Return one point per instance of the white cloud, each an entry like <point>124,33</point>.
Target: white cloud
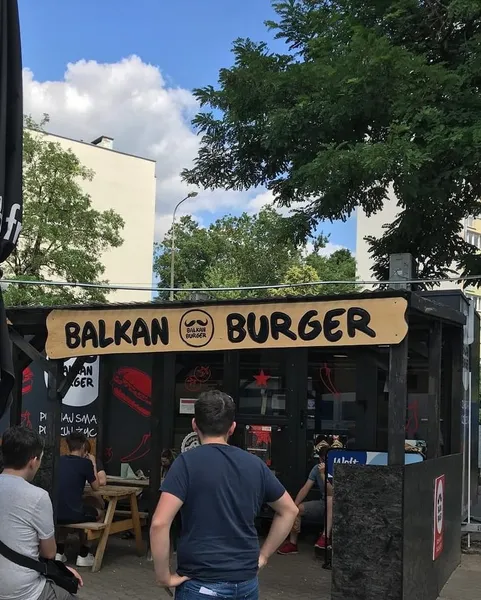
<point>131,102</point>
<point>330,248</point>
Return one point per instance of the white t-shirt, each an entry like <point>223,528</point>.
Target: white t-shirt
<point>26,517</point>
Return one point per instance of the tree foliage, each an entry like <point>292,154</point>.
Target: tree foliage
<point>62,236</point>
<point>244,251</point>
<point>369,94</point>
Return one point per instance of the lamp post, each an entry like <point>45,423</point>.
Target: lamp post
<point>172,253</point>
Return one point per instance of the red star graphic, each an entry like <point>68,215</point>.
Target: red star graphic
<point>262,379</point>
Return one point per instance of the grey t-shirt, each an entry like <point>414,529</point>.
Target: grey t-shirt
<point>26,517</point>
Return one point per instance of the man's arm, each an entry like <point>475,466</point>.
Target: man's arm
<point>102,478</point>
<point>168,506</point>
<point>302,493</point>
<point>42,521</point>
<point>286,513</point>
<point>47,548</point>
<point>91,474</point>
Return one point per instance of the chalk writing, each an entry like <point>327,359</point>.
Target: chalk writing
<point>70,422</point>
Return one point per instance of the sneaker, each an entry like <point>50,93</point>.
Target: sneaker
<point>85,561</point>
<point>61,557</point>
<point>322,543</point>
<point>288,548</point>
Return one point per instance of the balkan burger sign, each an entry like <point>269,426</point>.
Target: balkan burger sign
<point>133,330</point>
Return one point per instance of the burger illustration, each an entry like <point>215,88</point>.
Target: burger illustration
<point>27,381</point>
<point>134,388</point>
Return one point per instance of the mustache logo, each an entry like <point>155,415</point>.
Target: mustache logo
<point>196,328</point>
<point>198,321</point>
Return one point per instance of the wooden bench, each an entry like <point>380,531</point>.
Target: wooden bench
<point>143,516</point>
<point>92,530</point>
<point>102,531</point>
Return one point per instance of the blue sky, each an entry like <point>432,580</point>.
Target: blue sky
<point>189,40</point>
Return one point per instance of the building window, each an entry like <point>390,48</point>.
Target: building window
<point>470,221</point>
<point>476,300</point>
<point>474,238</point>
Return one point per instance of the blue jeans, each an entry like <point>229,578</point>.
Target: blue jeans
<point>197,590</point>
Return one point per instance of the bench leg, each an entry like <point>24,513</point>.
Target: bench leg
<point>134,508</point>
<point>109,517</point>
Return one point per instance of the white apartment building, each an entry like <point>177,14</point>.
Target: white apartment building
<point>125,183</point>
<point>373,226</point>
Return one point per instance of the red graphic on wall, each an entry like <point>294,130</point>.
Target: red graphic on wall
<point>108,455</point>
<point>412,421</point>
<point>261,435</point>
<point>25,419</point>
<point>326,379</point>
<point>258,442</point>
<point>134,388</point>
<point>140,451</point>
<point>27,381</point>
<point>201,374</point>
<point>262,379</point>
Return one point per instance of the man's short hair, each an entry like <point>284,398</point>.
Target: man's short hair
<point>19,446</point>
<point>214,413</point>
<point>76,441</point>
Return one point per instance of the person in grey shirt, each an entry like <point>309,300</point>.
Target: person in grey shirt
<point>26,519</point>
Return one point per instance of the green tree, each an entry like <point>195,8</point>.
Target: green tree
<point>368,95</point>
<point>62,237</point>
<point>244,251</point>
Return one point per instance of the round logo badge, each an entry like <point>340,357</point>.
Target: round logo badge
<point>190,441</point>
<point>196,328</point>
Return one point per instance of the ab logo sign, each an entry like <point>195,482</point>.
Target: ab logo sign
<point>438,538</point>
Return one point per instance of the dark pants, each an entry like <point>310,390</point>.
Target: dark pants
<point>197,590</point>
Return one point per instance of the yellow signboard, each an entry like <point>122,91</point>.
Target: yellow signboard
<point>160,328</point>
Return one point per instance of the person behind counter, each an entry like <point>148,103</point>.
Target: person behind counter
<point>166,459</point>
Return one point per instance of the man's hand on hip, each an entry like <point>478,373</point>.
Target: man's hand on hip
<point>173,580</point>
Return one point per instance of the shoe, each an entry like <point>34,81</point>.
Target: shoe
<point>85,561</point>
<point>322,543</point>
<point>287,548</point>
<point>61,557</point>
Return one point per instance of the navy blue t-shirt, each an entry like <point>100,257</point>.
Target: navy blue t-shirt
<point>222,489</point>
<point>74,473</point>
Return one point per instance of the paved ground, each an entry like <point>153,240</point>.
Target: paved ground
<point>125,576</point>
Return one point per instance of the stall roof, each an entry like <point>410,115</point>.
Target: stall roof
<point>31,320</point>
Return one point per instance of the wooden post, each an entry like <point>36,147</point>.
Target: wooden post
<point>456,341</point>
<point>16,406</point>
<point>434,390</point>
<point>54,423</point>
<point>162,417</point>
<point>366,401</point>
<point>105,377</point>
<point>397,405</point>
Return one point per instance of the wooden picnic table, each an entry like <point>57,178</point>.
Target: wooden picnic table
<point>101,531</point>
<point>114,480</point>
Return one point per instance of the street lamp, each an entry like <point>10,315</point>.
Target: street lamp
<point>172,252</point>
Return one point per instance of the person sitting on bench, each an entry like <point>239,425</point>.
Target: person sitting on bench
<point>313,510</point>
<point>75,470</point>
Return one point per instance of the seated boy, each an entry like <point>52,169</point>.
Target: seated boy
<point>313,510</point>
<point>75,470</point>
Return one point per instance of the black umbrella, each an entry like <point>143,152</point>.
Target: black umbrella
<point>11,202</point>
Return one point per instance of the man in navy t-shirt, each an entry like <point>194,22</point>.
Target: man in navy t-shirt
<point>75,470</point>
<point>219,490</point>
